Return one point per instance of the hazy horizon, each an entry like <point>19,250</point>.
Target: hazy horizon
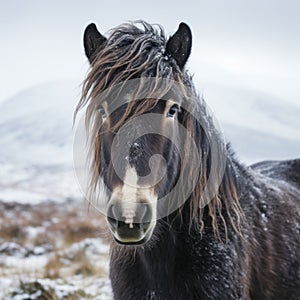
<point>245,45</point>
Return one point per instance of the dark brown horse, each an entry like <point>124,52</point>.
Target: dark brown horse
<point>188,220</point>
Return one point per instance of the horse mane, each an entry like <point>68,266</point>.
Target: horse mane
<point>138,50</point>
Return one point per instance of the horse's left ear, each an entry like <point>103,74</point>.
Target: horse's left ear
<point>179,45</point>
<point>93,41</point>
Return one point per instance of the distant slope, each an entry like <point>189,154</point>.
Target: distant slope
<point>36,125</point>
<point>259,126</point>
<point>36,138</point>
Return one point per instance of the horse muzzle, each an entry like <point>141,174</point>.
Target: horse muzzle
<point>130,223</point>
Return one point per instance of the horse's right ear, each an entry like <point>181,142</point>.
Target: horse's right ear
<point>93,41</point>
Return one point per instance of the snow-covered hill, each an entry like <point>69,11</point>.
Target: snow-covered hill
<point>36,125</point>
<point>36,139</point>
<point>258,125</point>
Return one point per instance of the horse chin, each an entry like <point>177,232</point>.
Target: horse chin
<point>132,238</point>
<point>131,242</point>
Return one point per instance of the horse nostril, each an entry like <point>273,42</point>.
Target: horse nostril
<point>144,210</point>
<point>112,216</point>
<point>143,214</point>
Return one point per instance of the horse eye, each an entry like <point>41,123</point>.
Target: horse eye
<point>173,111</point>
<point>102,112</point>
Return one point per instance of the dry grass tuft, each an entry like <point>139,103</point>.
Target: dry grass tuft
<point>53,267</point>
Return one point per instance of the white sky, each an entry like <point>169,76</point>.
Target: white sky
<point>247,44</point>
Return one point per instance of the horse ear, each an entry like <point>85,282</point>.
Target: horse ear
<point>93,41</point>
<point>179,45</point>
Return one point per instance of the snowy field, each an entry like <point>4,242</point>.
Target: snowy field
<point>51,246</point>
<point>52,251</point>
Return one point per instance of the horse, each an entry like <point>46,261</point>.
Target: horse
<point>188,220</point>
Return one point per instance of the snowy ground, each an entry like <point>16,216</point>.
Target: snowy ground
<point>53,251</point>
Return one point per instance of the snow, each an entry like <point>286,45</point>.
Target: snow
<point>16,263</point>
<point>33,185</point>
<point>36,138</point>
<point>61,289</point>
<point>13,249</point>
<point>33,232</point>
<point>259,126</point>
<point>22,263</point>
<point>91,246</point>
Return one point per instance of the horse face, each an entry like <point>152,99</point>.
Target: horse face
<point>138,162</point>
<point>139,165</point>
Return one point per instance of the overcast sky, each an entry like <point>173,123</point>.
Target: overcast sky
<point>247,44</point>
